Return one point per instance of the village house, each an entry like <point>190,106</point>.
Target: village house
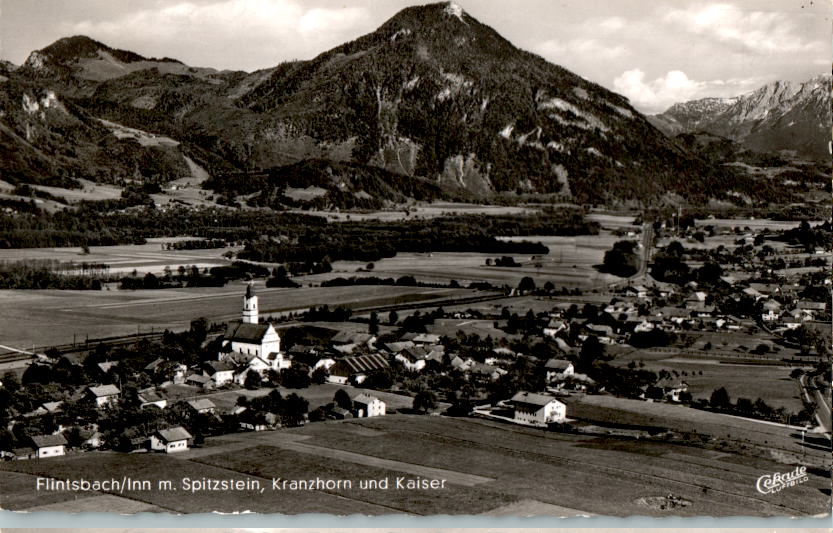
<point>558,368</point>
<point>244,363</point>
<point>199,380</point>
<point>752,293</point>
<point>396,347</point>
<point>696,300</point>
<point>49,445</point>
<point>220,372</point>
<point>170,440</point>
<point>201,405</point>
<point>554,327</point>
<point>537,409</point>
<point>458,363</point>
<point>255,421</point>
<point>52,407</point>
<point>151,396</point>
<point>484,373</point>
<point>638,291</point>
<point>105,367</point>
<point>366,406</point>
<point>347,341</point>
<point>415,358</point>
<point>811,309</point>
<point>772,310</point>
<point>425,339</point>
<point>356,368</point>
<point>104,394</point>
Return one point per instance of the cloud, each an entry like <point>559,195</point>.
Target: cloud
<point>756,32</point>
<point>563,51</point>
<point>266,30</point>
<point>675,86</point>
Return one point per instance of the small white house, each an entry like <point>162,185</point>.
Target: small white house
<point>201,406</point>
<point>170,440</point>
<point>49,445</point>
<point>365,405</point>
<point>558,367</point>
<point>220,372</point>
<point>537,409</point>
<point>104,394</point>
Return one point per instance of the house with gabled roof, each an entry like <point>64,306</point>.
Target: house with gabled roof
<point>537,409</point>
<point>170,440</point>
<point>357,368</point>
<point>555,326</point>
<point>104,394</point>
<point>555,368</point>
<point>365,405</point>
<point>201,405</point>
<point>347,341</point>
<point>49,445</point>
<point>199,380</point>
<point>151,396</point>
<point>220,372</point>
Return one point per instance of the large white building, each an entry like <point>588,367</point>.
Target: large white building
<point>537,409</point>
<point>365,405</point>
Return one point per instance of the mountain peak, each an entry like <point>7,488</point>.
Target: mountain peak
<point>453,9</point>
<point>781,115</point>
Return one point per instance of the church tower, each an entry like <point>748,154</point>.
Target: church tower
<point>250,313</point>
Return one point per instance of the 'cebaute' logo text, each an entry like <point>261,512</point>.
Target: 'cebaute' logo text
<point>772,483</point>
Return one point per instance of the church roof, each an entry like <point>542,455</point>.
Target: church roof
<point>244,332</point>
<point>250,290</point>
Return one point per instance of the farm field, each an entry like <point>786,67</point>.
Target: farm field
<point>770,382</point>
<point>569,263</point>
<point>123,259</point>
<point>777,440</point>
<point>433,210</point>
<point>488,466</point>
<point>60,314</point>
<point>752,223</point>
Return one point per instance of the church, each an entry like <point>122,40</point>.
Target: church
<point>252,344</point>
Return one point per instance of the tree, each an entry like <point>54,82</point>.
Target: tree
<point>74,437</point>
<point>293,409</point>
<point>252,380</point>
<point>425,400</point>
<point>342,399</point>
<point>296,377</point>
<point>10,382</point>
<point>393,318</point>
<point>591,351</point>
<point>373,326</point>
<point>527,284</point>
<point>319,375</point>
<point>720,399</point>
<point>622,260</point>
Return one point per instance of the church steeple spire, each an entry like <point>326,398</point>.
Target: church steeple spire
<point>250,312</point>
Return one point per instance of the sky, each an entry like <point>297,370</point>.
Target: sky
<point>655,52</point>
